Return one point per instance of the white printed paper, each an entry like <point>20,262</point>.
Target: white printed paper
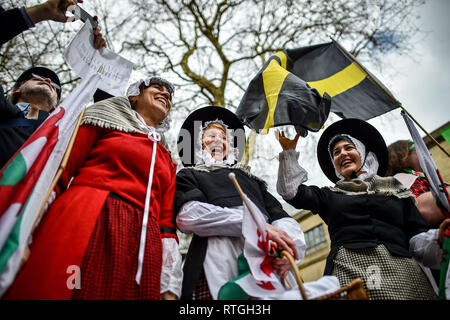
<point>85,60</point>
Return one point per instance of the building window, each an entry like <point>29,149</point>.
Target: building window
<point>315,239</point>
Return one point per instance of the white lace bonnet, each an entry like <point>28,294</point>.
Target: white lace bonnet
<point>134,90</point>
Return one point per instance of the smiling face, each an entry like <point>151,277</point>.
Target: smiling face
<point>346,158</point>
<point>154,103</point>
<point>215,141</point>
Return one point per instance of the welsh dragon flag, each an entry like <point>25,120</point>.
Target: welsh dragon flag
<point>257,277</point>
<point>27,177</point>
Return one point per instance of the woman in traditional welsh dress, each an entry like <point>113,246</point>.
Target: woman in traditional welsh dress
<point>207,204</point>
<point>110,234</point>
<point>370,218</point>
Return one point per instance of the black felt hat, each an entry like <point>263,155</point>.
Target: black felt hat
<point>190,130</point>
<point>359,129</point>
<point>40,71</point>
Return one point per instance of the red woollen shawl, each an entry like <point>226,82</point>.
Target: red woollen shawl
<point>102,161</point>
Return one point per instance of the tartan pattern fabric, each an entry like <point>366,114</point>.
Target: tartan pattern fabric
<point>385,277</point>
<point>201,291</point>
<point>420,185</point>
<point>109,265</point>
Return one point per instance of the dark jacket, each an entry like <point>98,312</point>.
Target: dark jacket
<point>216,188</point>
<point>12,23</point>
<point>15,129</point>
<point>362,221</point>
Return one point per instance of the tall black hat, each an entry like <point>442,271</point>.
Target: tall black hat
<point>359,129</point>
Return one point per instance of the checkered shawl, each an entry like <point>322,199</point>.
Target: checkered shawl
<point>386,277</point>
<point>388,186</point>
<point>113,113</point>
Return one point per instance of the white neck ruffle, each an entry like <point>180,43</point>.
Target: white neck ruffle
<point>204,157</point>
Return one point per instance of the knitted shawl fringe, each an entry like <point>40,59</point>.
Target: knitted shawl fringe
<point>388,186</point>
<point>114,113</point>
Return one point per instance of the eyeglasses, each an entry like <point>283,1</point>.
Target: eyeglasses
<point>411,145</point>
<point>36,76</point>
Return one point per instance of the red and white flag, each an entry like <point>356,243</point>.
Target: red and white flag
<point>262,281</point>
<point>27,177</point>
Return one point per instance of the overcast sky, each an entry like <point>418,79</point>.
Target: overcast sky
<point>422,85</point>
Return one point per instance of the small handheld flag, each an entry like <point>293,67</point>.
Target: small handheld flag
<point>257,277</point>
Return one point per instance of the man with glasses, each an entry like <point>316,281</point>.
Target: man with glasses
<point>37,91</point>
<point>35,94</point>
<point>38,88</point>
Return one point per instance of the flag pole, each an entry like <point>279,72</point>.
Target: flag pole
<point>382,87</point>
<point>232,176</point>
<point>283,253</point>
<point>62,166</point>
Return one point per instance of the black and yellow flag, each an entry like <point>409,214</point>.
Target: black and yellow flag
<point>276,97</point>
<point>327,69</point>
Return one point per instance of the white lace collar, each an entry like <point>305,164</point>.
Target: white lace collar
<point>204,157</point>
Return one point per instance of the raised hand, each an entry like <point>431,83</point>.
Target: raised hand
<point>99,41</point>
<point>51,10</point>
<point>285,142</point>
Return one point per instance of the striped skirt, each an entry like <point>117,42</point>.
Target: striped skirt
<point>385,277</point>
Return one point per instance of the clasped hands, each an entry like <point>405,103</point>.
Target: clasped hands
<point>282,241</point>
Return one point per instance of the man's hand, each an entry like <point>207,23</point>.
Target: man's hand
<point>286,143</point>
<point>99,42</point>
<point>51,10</point>
<point>56,10</point>
<point>282,241</point>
